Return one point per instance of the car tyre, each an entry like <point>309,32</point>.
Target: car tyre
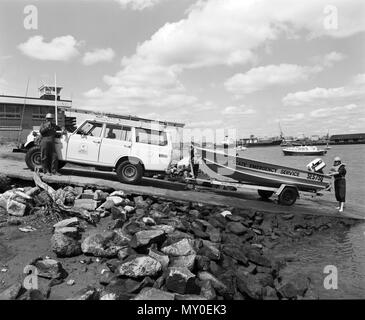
<point>129,172</point>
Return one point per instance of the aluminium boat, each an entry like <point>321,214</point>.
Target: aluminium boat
<point>227,167</point>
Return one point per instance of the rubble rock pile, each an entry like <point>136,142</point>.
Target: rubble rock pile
<point>159,249</point>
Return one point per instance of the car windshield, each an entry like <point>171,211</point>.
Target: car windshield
<point>91,129</point>
<point>153,137</point>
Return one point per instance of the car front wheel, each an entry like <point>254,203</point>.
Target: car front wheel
<point>129,172</point>
<point>33,158</point>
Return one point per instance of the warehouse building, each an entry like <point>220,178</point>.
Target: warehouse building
<point>355,138</point>
<point>20,115</point>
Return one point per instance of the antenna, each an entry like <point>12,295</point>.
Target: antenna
<point>22,118</point>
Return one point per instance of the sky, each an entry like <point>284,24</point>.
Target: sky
<point>250,66</point>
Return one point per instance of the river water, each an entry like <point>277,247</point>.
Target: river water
<point>343,249</point>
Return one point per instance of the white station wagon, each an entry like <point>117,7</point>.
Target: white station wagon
<point>130,148</point>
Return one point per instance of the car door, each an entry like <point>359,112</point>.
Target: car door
<point>84,144</point>
<point>116,143</point>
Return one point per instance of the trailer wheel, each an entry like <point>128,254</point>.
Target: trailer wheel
<point>288,196</point>
<point>265,194</point>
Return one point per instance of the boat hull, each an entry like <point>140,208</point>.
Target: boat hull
<point>230,168</point>
<point>304,153</point>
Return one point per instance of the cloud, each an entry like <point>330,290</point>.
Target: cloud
<point>259,78</point>
<point>98,55</point>
<point>332,57</point>
<point>58,49</point>
<point>292,117</point>
<point>328,112</point>
<point>204,124</point>
<point>236,111</point>
<point>215,33</point>
<point>355,91</point>
<point>138,4</point>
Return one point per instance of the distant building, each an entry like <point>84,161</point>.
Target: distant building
<point>354,138</point>
<point>20,115</point>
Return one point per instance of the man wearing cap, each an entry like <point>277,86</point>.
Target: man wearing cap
<point>338,171</point>
<point>49,159</point>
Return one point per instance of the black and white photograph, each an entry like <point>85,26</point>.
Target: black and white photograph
<point>194,151</point>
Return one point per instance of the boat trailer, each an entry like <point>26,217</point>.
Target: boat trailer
<point>287,194</point>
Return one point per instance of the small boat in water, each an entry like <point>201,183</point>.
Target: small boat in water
<point>304,151</point>
<point>240,148</point>
<point>230,168</point>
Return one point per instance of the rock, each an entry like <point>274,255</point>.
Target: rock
<point>210,250</point>
<point>207,290</point>
<point>88,293</point>
<point>294,286</point>
<point>202,263</point>
<point>194,213</point>
<point>148,221</point>
<point>49,269</point>
<point>106,277</point>
<point>33,294</point>
<point>288,216</point>
<point>72,222</point>
<point>249,285</point>
<point>181,280</point>
<point>214,234</point>
<point>225,213</point>
<point>193,297</point>
<point>160,257</point>
<point>12,292</point>
<point>236,228</point>
<point>121,237</point>
<point>146,237</point>
<point>184,262</point>
<point>14,221</point>
<point>164,227</point>
<point>214,268</point>
<point>65,246</point>
<point>72,232</point>
<point>269,293</point>
<point>118,193</point>
<point>183,247</point>
<point>70,282</point>
<point>178,235</point>
<point>101,245</point>
<point>100,195</point>
<point>16,208</point>
<point>251,268</point>
<point>217,284</point>
<point>107,205</point>
<point>117,201</point>
<point>236,253</point>
<point>86,204</point>
<point>199,233</point>
<point>132,227</point>
<point>124,253</point>
<point>140,202</point>
<point>140,266</point>
<point>154,294</point>
<point>118,213</point>
<point>257,258</point>
<point>129,209</point>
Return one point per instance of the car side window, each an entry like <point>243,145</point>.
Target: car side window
<point>118,132</point>
<point>93,129</point>
<point>153,137</point>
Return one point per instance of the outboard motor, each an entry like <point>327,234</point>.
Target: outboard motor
<point>316,165</point>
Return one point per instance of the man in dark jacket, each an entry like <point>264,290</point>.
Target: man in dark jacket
<point>49,159</point>
<point>338,171</point>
